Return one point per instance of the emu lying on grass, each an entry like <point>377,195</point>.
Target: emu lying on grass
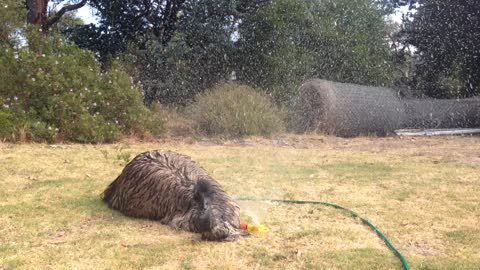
<point>171,188</point>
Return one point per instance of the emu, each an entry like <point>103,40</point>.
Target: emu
<point>171,188</point>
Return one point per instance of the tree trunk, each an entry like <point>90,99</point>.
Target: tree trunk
<point>37,12</point>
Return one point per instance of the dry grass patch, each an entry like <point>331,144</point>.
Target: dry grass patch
<point>424,194</point>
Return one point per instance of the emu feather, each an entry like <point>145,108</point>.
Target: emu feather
<point>171,188</point>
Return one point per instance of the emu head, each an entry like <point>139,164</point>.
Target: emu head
<point>218,219</point>
<point>201,195</point>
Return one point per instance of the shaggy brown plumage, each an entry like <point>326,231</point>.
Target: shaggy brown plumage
<point>173,189</point>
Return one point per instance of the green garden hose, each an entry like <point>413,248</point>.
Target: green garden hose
<point>355,215</point>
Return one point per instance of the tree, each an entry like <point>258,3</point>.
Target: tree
<point>199,54</point>
<point>12,14</point>
<point>400,3</point>
<point>68,21</point>
<point>38,12</point>
<point>290,41</point>
<point>445,34</point>
<point>123,22</point>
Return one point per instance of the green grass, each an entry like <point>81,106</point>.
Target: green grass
<point>423,194</point>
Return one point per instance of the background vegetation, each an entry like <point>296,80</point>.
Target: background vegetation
<point>231,110</point>
<point>67,81</point>
<point>447,57</point>
<point>52,90</point>
<point>290,41</point>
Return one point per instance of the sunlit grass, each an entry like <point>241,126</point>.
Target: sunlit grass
<point>424,194</point>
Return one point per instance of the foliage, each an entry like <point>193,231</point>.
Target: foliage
<point>123,22</point>
<point>40,132</point>
<point>7,128</point>
<point>445,34</point>
<point>399,3</point>
<point>54,90</point>
<point>43,18</point>
<point>233,110</point>
<point>67,22</point>
<point>177,122</point>
<point>280,43</point>
<point>289,41</point>
<point>197,57</point>
<point>12,14</point>
<point>173,68</point>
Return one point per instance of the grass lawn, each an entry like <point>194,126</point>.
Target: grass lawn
<point>423,194</point>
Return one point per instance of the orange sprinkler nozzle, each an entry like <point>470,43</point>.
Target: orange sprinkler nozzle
<point>254,228</point>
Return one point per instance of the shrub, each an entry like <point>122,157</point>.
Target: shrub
<point>232,110</point>
<point>177,122</point>
<point>41,132</point>
<point>93,129</point>
<point>53,90</point>
<point>7,128</point>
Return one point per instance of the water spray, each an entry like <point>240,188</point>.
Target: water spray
<point>261,228</point>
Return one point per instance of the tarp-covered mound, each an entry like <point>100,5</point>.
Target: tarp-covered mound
<point>349,110</point>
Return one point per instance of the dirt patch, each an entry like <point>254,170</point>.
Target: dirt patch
<point>420,250</point>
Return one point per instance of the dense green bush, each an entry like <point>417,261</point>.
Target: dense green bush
<point>52,90</point>
<point>7,128</point>
<point>232,110</point>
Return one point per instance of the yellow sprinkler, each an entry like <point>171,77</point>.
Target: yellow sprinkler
<point>254,228</point>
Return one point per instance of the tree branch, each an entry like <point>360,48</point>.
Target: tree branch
<point>56,17</point>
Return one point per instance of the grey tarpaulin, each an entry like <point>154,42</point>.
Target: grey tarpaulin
<point>350,110</point>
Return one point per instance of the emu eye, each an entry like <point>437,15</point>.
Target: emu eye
<point>199,200</point>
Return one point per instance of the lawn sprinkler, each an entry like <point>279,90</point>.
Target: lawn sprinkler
<point>254,228</point>
<point>260,228</point>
